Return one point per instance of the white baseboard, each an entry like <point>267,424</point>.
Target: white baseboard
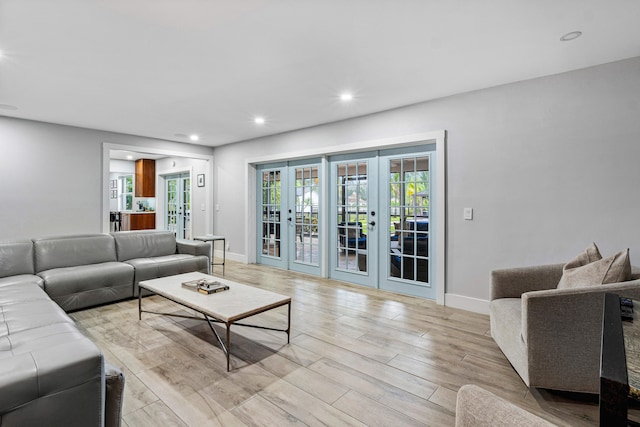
<point>232,256</point>
<point>466,303</point>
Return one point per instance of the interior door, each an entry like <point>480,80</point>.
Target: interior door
<point>354,219</point>
<point>178,205</point>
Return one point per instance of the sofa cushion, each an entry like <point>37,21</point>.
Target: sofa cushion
<point>21,279</point>
<point>613,269</point>
<point>16,257</point>
<point>144,244</point>
<point>62,382</point>
<point>41,337</point>
<point>22,316</point>
<point>21,292</point>
<point>70,251</point>
<point>86,285</point>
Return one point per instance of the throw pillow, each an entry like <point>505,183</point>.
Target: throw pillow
<point>589,255</point>
<point>580,272</point>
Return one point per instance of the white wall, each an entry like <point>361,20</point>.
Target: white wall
<point>549,165</point>
<point>51,178</point>
<point>118,168</point>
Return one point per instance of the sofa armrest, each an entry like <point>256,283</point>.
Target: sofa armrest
<point>513,282</point>
<point>114,395</point>
<point>477,407</point>
<point>193,247</point>
<point>29,376</point>
<point>562,329</point>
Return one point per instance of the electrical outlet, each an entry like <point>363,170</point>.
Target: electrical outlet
<point>228,245</point>
<point>468,214</point>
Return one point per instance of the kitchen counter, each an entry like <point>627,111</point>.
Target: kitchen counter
<point>137,212</point>
<point>138,220</point>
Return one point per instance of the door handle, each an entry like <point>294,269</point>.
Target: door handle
<point>372,223</point>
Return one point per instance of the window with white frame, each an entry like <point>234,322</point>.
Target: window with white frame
<point>125,192</point>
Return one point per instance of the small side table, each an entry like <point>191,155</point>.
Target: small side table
<point>211,238</point>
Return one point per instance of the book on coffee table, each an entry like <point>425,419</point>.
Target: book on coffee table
<point>205,286</point>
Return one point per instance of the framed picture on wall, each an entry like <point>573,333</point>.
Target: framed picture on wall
<point>201,180</point>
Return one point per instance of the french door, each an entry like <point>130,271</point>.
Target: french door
<point>379,218</point>
<point>178,205</point>
<point>405,253</point>
<point>289,220</point>
<point>354,219</point>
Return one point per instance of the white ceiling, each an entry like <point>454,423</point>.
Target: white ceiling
<point>158,68</point>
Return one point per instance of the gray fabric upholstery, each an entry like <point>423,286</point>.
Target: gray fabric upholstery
<point>16,258</point>
<point>144,244</point>
<point>613,269</point>
<point>477,407</point>
<point>71,251</point>
<point>114,387</point>
<point>551,336</point>
<point>86,285</point>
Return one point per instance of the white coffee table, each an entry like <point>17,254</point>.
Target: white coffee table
<point>227,307</point>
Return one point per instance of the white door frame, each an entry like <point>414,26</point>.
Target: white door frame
<point>106,153</point>
<point>437,137</point>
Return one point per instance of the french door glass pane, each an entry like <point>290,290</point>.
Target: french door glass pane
<point>306,218</point>
<point>352,214</point>
<point>409,195</point>
<point>186,202</point>
<point>172,205</point>
<point>271,191</point>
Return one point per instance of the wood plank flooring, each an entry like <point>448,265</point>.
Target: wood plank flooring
<point>357,357</point>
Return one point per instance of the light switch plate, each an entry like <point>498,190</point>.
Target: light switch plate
<point>468,214</point>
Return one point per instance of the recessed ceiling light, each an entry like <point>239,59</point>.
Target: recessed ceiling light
<point>571,36</point>
<point>259,120</point>
<point>194,137</point>
<point>8,107</point>
<point>129,157</point>
<point>346,96</point>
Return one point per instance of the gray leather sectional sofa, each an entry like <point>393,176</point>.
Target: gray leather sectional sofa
<point>50,373</point>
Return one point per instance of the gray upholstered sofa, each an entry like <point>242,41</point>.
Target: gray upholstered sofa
<point>81,271</point>
<point>551,336</point>
<point>49,371</point>
<point>154,254</point>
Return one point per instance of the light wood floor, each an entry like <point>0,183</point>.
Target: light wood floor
<point>357,357</point>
